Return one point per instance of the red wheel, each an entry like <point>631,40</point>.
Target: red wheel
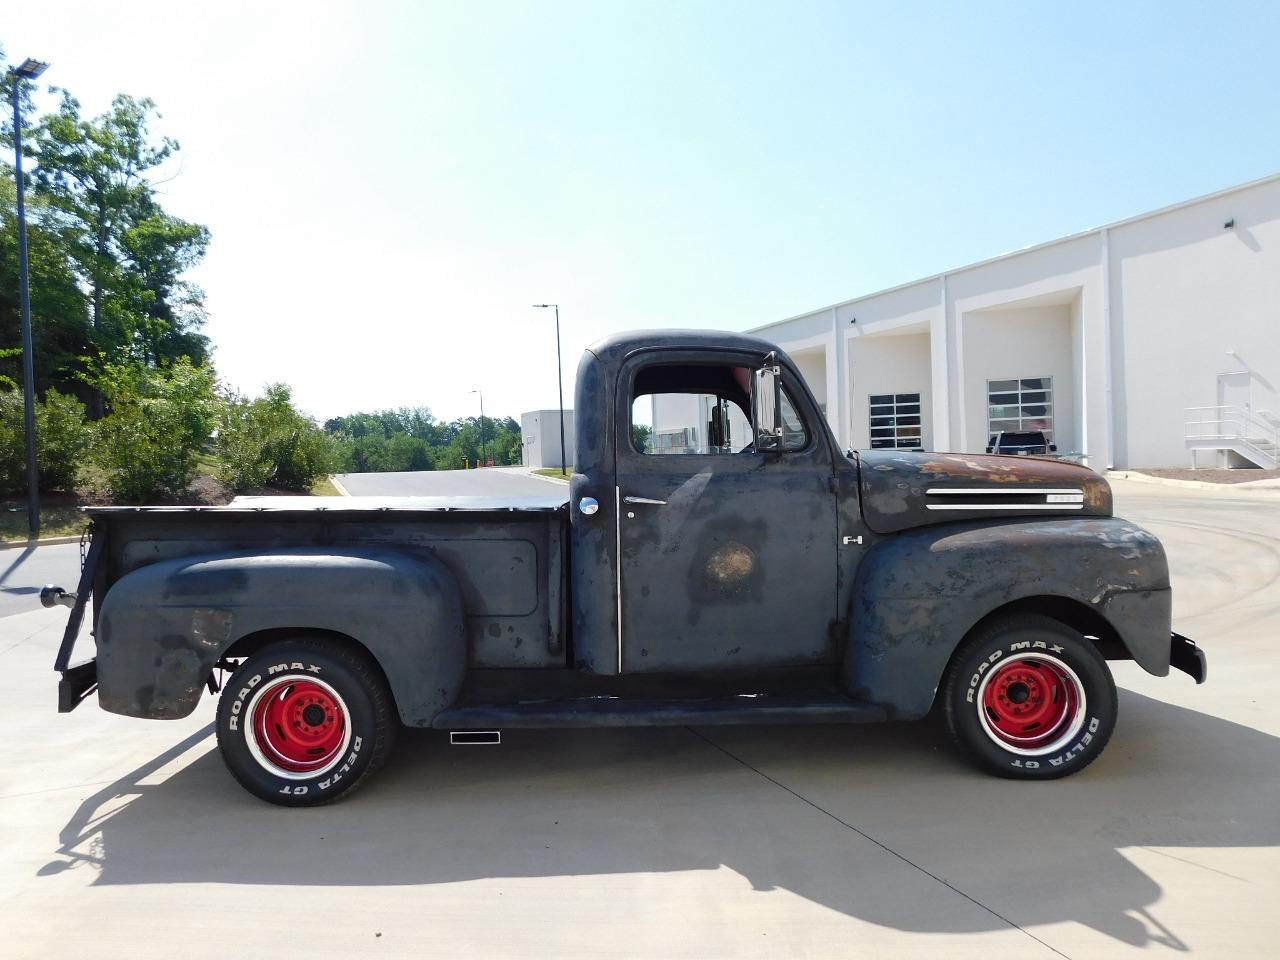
<point>1032,705</point>
<point>299,727</point>
<point>304,721</point>
<point>1028,697</point>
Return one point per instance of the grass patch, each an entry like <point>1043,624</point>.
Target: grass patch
<point>207,463</point>
<point>554,473</point>
<point>60,516</point>
<point>324,488</point>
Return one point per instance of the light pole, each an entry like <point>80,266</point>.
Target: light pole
<point>484,457</point>
<point>27,70</point>
<point>559,384</point>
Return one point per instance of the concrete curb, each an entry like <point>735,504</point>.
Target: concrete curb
<point>556,480</point>
<point>338,483</point>
<point>47,542</point>
<point>1263,487</point>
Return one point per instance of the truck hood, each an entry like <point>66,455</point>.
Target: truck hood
<point>901,490</point>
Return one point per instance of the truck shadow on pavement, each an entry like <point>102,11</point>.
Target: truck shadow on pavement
<point>882,823</point>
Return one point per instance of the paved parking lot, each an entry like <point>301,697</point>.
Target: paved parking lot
<point>127,838</point>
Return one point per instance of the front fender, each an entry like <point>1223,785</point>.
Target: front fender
<point>918,594</point>
<point>164,626</point>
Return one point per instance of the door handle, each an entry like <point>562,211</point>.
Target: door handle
<point>646,500</point>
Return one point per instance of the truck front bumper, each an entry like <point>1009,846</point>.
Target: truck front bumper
<point>1184,655</point>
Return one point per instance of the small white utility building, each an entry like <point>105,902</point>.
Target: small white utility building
<point>1137,344</point>
<point>540,433</point>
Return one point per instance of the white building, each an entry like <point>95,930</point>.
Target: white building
<point>540,433</point>
<point>1131,344</point>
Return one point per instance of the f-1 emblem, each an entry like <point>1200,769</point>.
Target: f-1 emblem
<point>848,540</point>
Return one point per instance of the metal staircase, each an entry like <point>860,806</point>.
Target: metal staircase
<point>1236,429</point>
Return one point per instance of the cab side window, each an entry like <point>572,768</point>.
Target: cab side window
<point>683,423</point>
<point>701,409</point>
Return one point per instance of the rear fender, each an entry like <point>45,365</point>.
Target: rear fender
<point>163,627</point>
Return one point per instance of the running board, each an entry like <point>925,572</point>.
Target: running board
<point>618,712</point>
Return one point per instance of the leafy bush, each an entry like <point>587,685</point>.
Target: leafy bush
<point>158,420</point>
<point>62,440</point>
<point>452,457</point>
<point>268,442</point>
<point>13,459</point>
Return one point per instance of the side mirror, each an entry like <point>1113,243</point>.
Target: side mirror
<point>715,427</point>
<point>1053,448</point>
<point>766,406</point>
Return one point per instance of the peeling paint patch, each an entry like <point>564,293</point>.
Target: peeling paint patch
<point>731,564</point>
<point>211,628</point>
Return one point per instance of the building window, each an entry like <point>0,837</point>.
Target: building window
<point>895,421</point>
<point>1024,404</point>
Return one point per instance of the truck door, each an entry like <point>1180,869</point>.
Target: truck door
<point>727,556</point>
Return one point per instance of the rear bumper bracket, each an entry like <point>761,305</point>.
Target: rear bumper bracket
<point>77,683</point>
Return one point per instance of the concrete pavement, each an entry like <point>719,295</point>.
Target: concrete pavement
<point>124,837</point>
<point>485,482</point>
<point>24,570</point>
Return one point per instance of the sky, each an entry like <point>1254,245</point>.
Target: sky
<point>391,185</point>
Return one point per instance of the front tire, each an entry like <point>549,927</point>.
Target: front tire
<point>1029,698</point>
<point>305,721</point>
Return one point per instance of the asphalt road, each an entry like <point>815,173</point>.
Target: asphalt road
<point>486,482</point>
<point>123,837</point>
<point>24,570</point>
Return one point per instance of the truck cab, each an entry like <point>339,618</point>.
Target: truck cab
<point>721,558</point>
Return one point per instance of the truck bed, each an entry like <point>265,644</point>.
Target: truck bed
<point>547,504</point>
<point>506,553</point>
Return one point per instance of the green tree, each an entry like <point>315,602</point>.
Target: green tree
<point>409,452</point>
<point>642,437</point>
<point>59,318</point>
<point>59,313</point>
<point>269,442</point>
<point>157,420</point>
<point>127,252</point>
<point>451,457</point>
<point>412,439</point>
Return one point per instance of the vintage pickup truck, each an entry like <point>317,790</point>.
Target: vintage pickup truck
<point>780,580</point>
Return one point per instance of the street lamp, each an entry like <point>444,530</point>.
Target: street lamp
<point>27,70</point>
<point>484,457</point>
<point>559,384</point>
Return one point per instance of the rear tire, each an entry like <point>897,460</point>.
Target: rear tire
<point>304,721</point>
<point>1029,698</point>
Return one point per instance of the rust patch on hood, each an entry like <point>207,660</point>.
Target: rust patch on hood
<point>895,487</point>
<point>1002,469</point>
